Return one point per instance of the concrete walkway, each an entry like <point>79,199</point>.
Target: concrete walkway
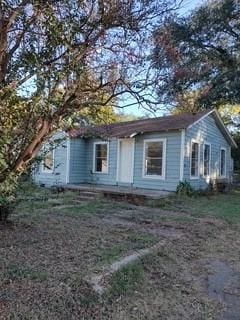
<point>98,282</point>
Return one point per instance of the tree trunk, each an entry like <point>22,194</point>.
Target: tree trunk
<point>3,50</point>
<point>45,128</point>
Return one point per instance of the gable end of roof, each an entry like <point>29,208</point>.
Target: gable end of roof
<point>220,124</point>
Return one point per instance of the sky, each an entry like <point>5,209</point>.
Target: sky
<point>189,5</point>
<point>186,7</point>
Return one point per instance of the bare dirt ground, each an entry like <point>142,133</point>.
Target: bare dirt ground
<point>52,247</point>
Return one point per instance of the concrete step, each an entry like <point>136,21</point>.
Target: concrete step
<point>81,199</point>
<point>87,196</point>
<point>90,193</point>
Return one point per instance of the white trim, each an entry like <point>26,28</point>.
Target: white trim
<point>50,171</point>
<point>133,135</point>
<point>210,159</point>
<point>162,177</point>
<point>133,159</point>
<point>118,157</point>
<point>225,163</point>
<point>68,161</point>
<point>198,173</point>
<point>94,156</point>
<point>182,154</point>
<point>118,160</point>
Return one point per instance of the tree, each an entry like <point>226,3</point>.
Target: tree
<point>58,57</point>
<point>231,116</point>
<point>198,56</point>
<point>236,152</point>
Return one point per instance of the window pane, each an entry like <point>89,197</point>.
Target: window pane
<point>101,164</point>
<point>101,150</point>
<point>48,161</point>
<point>153,158</point>
<point>194,160</point>
<point>154,166</point>
<point>223,161</point>
<point>154,149</point>
<point>206,159</point>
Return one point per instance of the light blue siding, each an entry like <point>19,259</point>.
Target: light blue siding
<point>85,169</point>
<point>58,176</point>
<point>206,130</point>
<point>74,159</point>
<point>172,174</point>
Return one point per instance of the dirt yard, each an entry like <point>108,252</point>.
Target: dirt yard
<point>56,244</point>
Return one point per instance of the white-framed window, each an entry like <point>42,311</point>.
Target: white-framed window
<point>194,160</point>
<point>48,162</point>
<point>100,157</point>
<point>223,162</point>
<point>154,158</point>
<point>206,159</point>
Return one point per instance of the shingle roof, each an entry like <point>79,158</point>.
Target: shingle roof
<point>131,128</point>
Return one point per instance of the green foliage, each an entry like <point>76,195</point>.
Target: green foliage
<point>236,152</point>
<point>126,279</point>
<point>222,206</point>
<point>7,205</point>
<point>199,55</point>
<point>184,188</point>
<point>59,58</point>
<point>20,272</point>
<point>123,117</point>
<point>16,131</point>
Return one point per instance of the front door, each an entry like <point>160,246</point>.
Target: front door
<point>125,160</point>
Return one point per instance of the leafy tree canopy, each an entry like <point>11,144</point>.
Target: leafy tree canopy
<point>198,56</point>
<point>59,56</point>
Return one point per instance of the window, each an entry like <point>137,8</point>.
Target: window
<point>206,159</point>
<point>101,157</point>
<point>48,162</point>
<point>223,162</point>
<point>195,160</point>
<point>154,158</point>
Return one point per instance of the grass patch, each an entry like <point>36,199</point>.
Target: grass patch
<point>70,249</point>
<point>180,218</point>
<point>223,206</point>
<point>141,240</point>
<point>89,208</point>
<point>15,272</point>
<point>126,280</point>
<point>108,255</point>
<point>133,241</point>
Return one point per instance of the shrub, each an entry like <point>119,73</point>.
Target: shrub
<point>184,188</point>
<point>7,205</point>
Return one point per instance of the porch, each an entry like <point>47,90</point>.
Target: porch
<point>129,194</point>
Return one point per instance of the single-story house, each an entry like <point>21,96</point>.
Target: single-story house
<point>153,153</point>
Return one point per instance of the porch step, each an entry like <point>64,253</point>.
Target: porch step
<point>87,196</point>
<point>89,193</point>
<point>137,196</point>
<point>81,199</point>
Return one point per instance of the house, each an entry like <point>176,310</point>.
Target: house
<point>153,153</point>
